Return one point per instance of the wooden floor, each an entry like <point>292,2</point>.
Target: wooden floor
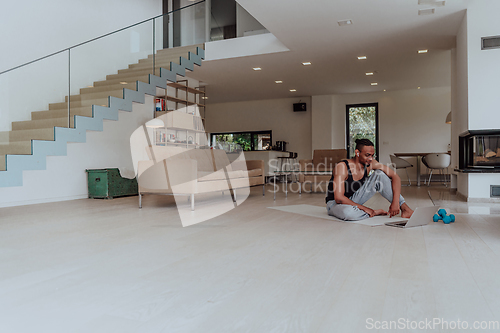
<point>107,266</point>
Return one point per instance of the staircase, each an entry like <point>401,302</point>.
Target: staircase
<point>28,144</point>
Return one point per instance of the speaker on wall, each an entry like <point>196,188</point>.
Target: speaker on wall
<point>299,107</point>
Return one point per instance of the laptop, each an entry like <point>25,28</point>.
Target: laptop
<point>421,216</point>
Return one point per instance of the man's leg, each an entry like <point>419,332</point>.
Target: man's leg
<point>345,212</point>
<point>377,182</point>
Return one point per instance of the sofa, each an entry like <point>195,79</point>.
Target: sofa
<point>184,171</point>
<point>324,161</point>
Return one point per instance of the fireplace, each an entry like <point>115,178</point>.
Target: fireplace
<point>479,151</point>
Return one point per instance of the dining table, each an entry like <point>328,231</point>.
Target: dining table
<point>419,158</point>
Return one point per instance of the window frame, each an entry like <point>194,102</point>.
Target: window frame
<point>252,135</point>
<point>377,137</point>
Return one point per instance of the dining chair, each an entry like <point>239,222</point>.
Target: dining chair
<point>424,162</point>
<point>437,162</point>
<point>400,163</point>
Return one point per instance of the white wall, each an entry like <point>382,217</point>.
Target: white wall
<point>460,110</point>
<point>321,122</point>
<point>484,67</point>
<point>243,47</point>
<point>409,121</point>
<point>276,115</point>
<point>479,186</point>
<point>245,22</point>
<point>34,29</point>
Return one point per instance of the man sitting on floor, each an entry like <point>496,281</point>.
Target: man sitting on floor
<point>356,180</point>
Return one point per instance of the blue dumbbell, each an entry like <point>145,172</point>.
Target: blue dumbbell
<point>446,220</point>
<point>452,217</point>
<point>442,212</point>
<point>436,218</point>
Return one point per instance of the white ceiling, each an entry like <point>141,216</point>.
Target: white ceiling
<point>388,32</point>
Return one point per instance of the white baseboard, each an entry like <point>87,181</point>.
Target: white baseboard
<point>477,200</point>
<point>42,201</point>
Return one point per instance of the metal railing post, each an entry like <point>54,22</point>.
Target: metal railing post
<point>69,88</point>
<point>208,17</point>
<point>154,47</point>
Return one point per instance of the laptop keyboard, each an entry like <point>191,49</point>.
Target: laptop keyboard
<point>401,224</point>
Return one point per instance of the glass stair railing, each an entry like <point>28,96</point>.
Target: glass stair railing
<point>34,103</point>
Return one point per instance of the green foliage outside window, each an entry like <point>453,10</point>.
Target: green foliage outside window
<point>234,142</point>
<point>362,122</point>
<point>238,141</point>
<point>244,141</point>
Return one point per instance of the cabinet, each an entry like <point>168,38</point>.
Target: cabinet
<point>108,183</point>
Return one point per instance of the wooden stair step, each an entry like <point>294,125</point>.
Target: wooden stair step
<point>142,78</point>
<point>158,65</point>
<point>41,123</point>
<point>78,104</point>
<point>96,95</point>
<point>4,137</point>
<point>149,64</point>
<point>179,49</point>
<point>146,68</point>
<point>130,75</point>
<point>16,148</point>
<point>32,134</point>
<point>85,111</point>
<point>149,61</point>
<point>129,85</point>
<point>170,53</point>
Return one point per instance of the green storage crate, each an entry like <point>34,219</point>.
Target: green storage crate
<point>108,184</point>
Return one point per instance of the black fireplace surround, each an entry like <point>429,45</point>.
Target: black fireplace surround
<point>479,151</point>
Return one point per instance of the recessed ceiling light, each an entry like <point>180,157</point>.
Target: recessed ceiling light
<point>374,83</point>
<point>432,2</point>
<point>362,58</point>
<point>293,90</point>
<point>385,89</point>
<point>306,63</point>
<point>418,88</point>
<point>429,11</point>
<point>257,68</point>
<point>278,82</point>
<point>369,73</point>
<point>423,51</point>
<point>344,22</point>
<point>204,97</point>
<point>123,82</point>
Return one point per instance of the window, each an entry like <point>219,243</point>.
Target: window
<point>361,123</point>
<point>235,141</point>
